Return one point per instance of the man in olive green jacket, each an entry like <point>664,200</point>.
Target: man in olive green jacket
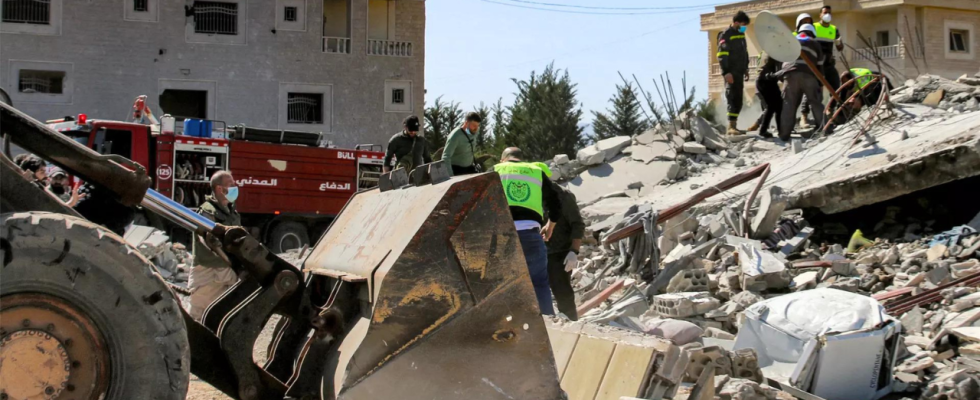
<point>458,153</point>
<point>210,275</point>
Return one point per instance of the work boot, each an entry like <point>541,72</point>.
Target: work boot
<point>732,130</point>
<point>754,127</point>
<point>765,134</point>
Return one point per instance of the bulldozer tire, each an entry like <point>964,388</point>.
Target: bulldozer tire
<point>288,235</point>
<point>76,294</point>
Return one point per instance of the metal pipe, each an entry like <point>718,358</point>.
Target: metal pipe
<point>176,213</point>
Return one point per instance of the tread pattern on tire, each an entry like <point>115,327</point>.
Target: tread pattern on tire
<point>165,353</point>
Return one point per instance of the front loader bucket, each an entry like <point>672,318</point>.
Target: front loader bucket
<point>452,313</point>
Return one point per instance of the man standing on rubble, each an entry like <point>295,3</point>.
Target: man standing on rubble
<point>564,239</point>
<point>459,153</point>
<point>211,276</point>
<point>528,191</point>
<point>407,147</point>
<point>733,57</point>
<point>828,37</point>
<point>799,80</point>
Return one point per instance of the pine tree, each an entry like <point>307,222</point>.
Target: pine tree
<point>440,120</point>
<point>544,119</point>
<point>500,118</point>
<point>483,135</point>
<point>624,119</point>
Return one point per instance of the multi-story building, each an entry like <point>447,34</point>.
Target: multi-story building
<point>911,37</point>
<point>352,69</point>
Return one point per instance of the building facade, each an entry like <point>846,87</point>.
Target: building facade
<point>352,69</point>
<point>911,37</point>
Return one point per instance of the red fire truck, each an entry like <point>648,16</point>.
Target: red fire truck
<point>290,189</point>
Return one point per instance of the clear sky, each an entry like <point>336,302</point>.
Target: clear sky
<point>474,47</point>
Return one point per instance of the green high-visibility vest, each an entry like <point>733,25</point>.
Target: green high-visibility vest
<point>522,185</point>
<point>826,33</point>
<point>863,76</point>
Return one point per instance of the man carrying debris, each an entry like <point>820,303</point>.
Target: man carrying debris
<point>459,153</point>
<point>564,239</point>
<point>733,57</point>
<point>799,80</point>
<point>407,147</point>
<point>211,276</point>
<point>528,191</point>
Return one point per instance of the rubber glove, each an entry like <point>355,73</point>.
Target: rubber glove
<point>571,260</point>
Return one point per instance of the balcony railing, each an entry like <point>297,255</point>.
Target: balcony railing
<point>885,52</point>
<point>389,48</point>
<point>336,45</point>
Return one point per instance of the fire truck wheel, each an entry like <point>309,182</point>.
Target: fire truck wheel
<point>76,295</point>
<point>288,235</point>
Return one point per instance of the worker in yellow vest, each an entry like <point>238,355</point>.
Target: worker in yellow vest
<point>863,81</point>
<point>528,190</point>
<point>829,38</point>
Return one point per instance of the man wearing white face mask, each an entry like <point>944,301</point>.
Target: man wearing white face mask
<point>211,276</point>
<point>829,37</point>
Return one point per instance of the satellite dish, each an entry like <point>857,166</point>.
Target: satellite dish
<point>775,38</point>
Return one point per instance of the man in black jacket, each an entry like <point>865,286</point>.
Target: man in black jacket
<point>767,86</point>
<point>409,149</point>
<point>733,57</point>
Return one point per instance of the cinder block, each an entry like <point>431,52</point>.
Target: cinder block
<point>691,280</point>
<point>684,304</point>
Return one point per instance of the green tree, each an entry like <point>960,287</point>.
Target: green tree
<point>500,118</point>
<point>440,119</point>
<point>544,119</point>
<point>624,119</point>
<point>484,137</point>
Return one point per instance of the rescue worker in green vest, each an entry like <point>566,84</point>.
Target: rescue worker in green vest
<point>528,191</point>
<point>733,58</point>
<point>863,81</point>
<point>211,275</point>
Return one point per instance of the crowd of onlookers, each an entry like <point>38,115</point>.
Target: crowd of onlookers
<point>50,178</point>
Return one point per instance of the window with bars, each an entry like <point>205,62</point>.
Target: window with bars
<point>215,18</point>
<point>304,108</point>
<point>398,96</point>
<point>290,14</point>
<point>37,12</point>
<point>958,40</point>
<point>141,5</point>
<point>37,81</point>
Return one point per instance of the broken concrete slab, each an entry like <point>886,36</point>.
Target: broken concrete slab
<point>771,206</point>
<point>761,270</point>
<point>603,150</point>
<point>694,148</point>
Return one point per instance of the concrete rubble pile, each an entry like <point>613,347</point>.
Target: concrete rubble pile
<point>961,95</point>
<point>172,260</point>
<point>901,309</point>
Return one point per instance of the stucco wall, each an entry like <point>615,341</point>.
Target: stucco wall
<point>114,60</point>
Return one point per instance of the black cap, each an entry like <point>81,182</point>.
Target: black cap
<point>412,123</point>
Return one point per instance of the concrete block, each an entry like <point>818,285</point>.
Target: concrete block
<point>933,99</point>
<point>691,280</point>
<point>684,304</point>
<point>760,270</point>
<point>707,357</point>
<point>561,159</point>
<point>771,207</point>
<point>745,365</point>
<point>694,148</point>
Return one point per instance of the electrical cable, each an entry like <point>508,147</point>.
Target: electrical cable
<point>593,12</point>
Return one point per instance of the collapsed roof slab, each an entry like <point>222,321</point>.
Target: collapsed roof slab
<point>920,148</point>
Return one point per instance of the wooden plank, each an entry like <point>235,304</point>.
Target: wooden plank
<point>625,372</point>
<point>587,367</point>
<point>562,346</point>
